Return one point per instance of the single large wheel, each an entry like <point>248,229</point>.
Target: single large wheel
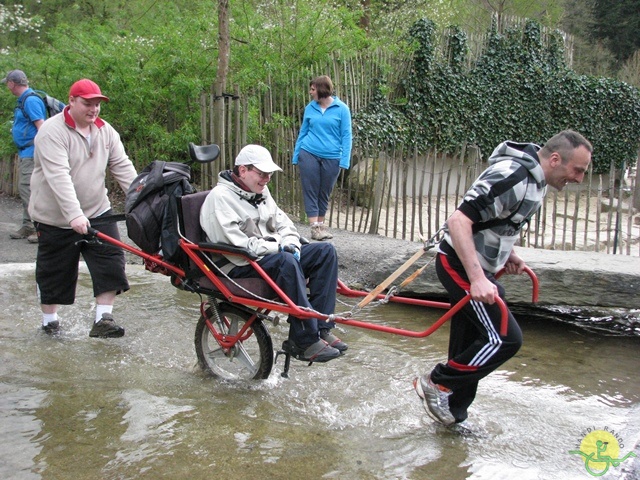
<point>250,358</point>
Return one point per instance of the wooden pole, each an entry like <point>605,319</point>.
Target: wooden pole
<point>376,291</point>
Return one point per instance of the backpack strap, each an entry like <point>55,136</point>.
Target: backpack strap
<point>107,219</point>
<point>21,104</point>
<point>24,112</point>
<point>517,177</point>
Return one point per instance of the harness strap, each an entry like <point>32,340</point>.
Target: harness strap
<point>516,177</point>
<point>106,219</point>
<point>477,227</point>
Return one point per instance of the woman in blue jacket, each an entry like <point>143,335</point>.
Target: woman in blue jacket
<point>322,149</point>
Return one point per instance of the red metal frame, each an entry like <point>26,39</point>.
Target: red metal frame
<point>225,340</point>
<point>264,306</point>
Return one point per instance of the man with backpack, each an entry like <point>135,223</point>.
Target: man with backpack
<point>74,150</point>
<point>28,116</point>
<point>478,243</point>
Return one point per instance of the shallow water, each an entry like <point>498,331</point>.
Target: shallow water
<point>138,407</point>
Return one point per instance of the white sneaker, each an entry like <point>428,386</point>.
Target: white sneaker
<point>435,399</point>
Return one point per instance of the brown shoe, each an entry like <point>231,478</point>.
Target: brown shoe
<point>325,231</point>
<point>24,232</point>
<point>33,238</point>
<point>315,232</point>
<point>106,327</point>
<point>320,232</point>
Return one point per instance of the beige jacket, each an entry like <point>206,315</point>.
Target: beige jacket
<point>69,172</point>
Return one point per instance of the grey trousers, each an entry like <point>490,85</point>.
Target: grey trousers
<point>24,189</point>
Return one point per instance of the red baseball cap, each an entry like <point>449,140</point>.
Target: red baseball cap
<point>86,88</point>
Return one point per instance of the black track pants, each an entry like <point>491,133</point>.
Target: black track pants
<point>476,347</point>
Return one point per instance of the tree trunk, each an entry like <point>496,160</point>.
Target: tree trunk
<point>365,19</point>
<point>221,77</point>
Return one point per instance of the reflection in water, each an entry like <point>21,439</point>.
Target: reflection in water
<point>150,430</point>
<point>20,426</point>
<point>138,407</point>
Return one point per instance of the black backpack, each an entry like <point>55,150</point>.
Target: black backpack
<point>151,207</point>
<point>52,105</point>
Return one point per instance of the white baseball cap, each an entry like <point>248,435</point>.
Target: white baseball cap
<point>259,157</point>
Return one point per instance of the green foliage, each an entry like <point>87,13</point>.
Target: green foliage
<point>7,147</point>
<point>514,78</point>
<point>275,39</point>
<point>434,84</point>
<point>154,59</point>
<point>154,82</point>
<point>519,89</point>
<point>618,23</point>
<point>17,26</point>
<point>380,124</point>
<point>390,18</point>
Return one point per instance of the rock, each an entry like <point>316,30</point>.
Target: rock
<point>362,180</point>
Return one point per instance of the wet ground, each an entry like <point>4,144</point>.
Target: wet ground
<point>139,407</point>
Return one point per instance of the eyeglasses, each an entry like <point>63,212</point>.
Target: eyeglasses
<point>260,172</point>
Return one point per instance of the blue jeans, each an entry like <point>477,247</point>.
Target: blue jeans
<point>317,177</point>
<point>319,264</point>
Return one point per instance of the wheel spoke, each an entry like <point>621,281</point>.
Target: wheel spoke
<point>250,357</point>
<point>243,357</point>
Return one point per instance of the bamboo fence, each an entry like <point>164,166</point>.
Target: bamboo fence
<point>398,193</point>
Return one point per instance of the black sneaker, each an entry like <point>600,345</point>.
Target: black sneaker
<point>51,328</point>
<point>320,351</point>
<point>332,340</point>
<point>106,327</point>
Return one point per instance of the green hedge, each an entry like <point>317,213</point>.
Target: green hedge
<point>518,89</point>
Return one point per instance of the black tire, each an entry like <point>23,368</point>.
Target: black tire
<point>250,359</point>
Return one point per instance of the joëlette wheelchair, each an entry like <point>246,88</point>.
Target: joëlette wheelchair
<point>232,341</point>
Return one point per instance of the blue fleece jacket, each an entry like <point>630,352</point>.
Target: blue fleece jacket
<point>326,135</point>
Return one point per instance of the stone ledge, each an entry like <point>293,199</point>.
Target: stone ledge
<point>565,278</point>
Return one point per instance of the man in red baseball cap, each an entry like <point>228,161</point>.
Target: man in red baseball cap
<point>84,103</point>
<point>88,89</point>
<point>72,153</point>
